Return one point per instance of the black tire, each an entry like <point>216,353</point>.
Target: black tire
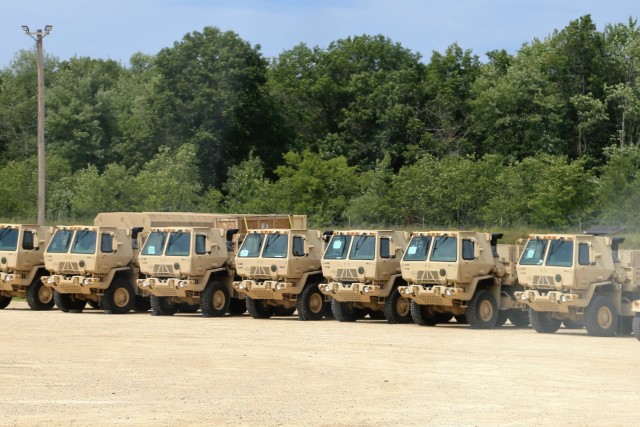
<point>327,312</point>
<point>188,308</point>
<point>93,304</point>
<point>601,317</point>
<point>518,317</point>
<point>343,311</point>
<point>423,315</point>
<point>572,324</point>
<point>625,325</point>
<point>69,303</point>
<point>310,303</point>
<point>141,304</point>
<point>502,318</point>
<point>163,306</point>
<point>636,326</point>
<point>237,306</point>
<point>482,311</point>
<point>461,319</point>
<point>259,308</point>
<point>281,310</point>
<point>397,309</point>
<point>39,296</point>
<point>119,298</point>
<point>215,300</point>
<point>4,301</point>
<point>543,322</point>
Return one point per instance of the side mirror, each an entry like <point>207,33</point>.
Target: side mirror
<point>307,247</point>
<point>477,250</point>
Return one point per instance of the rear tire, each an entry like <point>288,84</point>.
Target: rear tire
<point>259,308</point>
<point>118,298</point>
<point>397,309</point>
<point>542,322</point>
<point>39,296</point>
<point>601,317</point>
<point>572,324</point>
<point>343,311</point>
<point>281,310</point>
<point>519,318</point>
<point>163,306</point>
<point>214,301</point>
<point>636,326</point>
<point>68,303</point>
<point>482,311</point>
<point>310,303</point>
<point>141,304</point>
<point>237,306</point>
<point>4,301</point>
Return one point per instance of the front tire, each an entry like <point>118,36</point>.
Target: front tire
<point>397,309</point>
<point>68,302</point>
<point>543,322</point>
<point>39,296</point>
<point>214,301</point>
<point>118,298</point>
<point>343,311</point>
<point>601,317</point>
<point>310,303</point>
<point>482,312</point>
<point>141,304</point>
<point>259,308</point>
<point>163,306</point>
<point>423,315</point>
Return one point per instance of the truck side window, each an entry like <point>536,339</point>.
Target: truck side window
<point>298,246</point>
<point>201,244</point>
<point>106,243</point>
<point>27,241</point>
<point>583,254</point>
<point>468,249</point>
<point>384,248</point>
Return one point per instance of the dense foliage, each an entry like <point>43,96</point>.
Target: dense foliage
<point>362,132</point>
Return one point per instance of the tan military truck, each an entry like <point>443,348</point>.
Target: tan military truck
<point>22,264</point>
<point>280,272</point>
<point>463,274</point>
<point>98,264</point>
<point>579,278</point>
<point>187,268</point>
<point>362,268</point>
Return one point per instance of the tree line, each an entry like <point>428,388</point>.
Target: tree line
<point>362,132</point>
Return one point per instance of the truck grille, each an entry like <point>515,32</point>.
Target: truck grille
<point>68,267</point>
<point>165,291</point>
<point>347,273</point>
<point>259,271</point>
<point>349,296</point>
<point>543,281</point>
<point>68,288</point>
<point>160,269</point>
<point>428,276</point>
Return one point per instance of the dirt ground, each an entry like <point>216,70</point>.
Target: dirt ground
<point>98,369</point>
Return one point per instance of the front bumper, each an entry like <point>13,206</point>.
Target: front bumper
<point>172,287</point>
<point>351,292</point>
<point>553,301</point>
<point>74,284</point>
<point>435,294</point>
<point>266,289</point>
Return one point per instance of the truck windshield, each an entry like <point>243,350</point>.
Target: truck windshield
<point>276,246</point>
<point>155,243</point>
<point>418,248</point>
<point>60,242</point>
<point>179,244</point>
<point>338,247</point>
<point>84,243</point>
<point>8,239</point>
<point>533,253</point>
<point>363,247</point>
<point>251,246</point>
<point>444,249</point>
<point>560,253</point>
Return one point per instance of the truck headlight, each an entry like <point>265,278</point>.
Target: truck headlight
<point>367,289</point>
<point>242,286</point>
<point>50,280</point>
<point>564,298</point>
<point>9,278</point>
<point>448,292</point>
<point>183,284</point>
<point>279,287</point>
<point>407,290</point>
<point>522,296</point>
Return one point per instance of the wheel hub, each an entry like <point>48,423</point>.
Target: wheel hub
<point>316,302</point>
<point>403,306</point>
<point>219,300</point>
<point>45,294</point>
<point>486,311</point>
<point>121,297</point>
<point>605,317</point>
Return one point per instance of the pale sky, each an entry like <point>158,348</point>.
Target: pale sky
<point>115,29</point>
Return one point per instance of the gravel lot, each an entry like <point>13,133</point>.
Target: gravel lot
<point>96,369</point>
